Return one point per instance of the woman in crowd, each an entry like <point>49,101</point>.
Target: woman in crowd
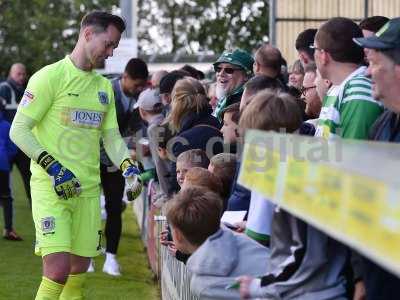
<point>192,121</point>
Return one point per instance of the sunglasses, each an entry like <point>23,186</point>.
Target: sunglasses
<point>305,89</point>
<point>228,70</point>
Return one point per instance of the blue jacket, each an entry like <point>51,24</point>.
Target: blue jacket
<point>7,148</point>
<point>240,196</point>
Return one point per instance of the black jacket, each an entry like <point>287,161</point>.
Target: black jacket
<point>386,128</point>
<point>198,131</point>
<point>379,283</point>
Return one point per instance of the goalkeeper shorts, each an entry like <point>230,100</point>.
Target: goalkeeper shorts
<point>72,225</point>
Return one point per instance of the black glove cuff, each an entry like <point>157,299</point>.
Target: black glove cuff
<point>45,160</point>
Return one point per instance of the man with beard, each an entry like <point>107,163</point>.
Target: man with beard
<point>232,69</point>
<point>126,91</point>
<point>65,110</point>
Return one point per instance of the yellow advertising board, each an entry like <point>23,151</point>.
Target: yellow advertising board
<point>348,189</point>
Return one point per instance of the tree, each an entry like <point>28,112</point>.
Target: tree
<point>201,25</point>
<point>40,32</point>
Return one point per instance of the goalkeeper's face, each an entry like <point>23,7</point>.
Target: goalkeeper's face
<point>101,44</point>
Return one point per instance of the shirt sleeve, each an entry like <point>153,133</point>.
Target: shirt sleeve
<point>115,146</point>
<point>21,134</point>
<point>38,96</point>
<point>359,110</point>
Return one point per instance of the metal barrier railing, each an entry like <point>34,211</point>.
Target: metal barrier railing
<point>175,279</point>
<point>172,274</point>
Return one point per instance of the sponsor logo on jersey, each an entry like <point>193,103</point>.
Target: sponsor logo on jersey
<point>48,225</point>
<point>85,118</point>
<point>27,98</point>
<point>103,98</point>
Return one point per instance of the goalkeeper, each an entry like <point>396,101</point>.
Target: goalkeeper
<point>65,110</point>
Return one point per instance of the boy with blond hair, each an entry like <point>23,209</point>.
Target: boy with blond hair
<point>189,159</point>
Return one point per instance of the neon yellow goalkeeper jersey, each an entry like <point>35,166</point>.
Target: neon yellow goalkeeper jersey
<point>72,109</point>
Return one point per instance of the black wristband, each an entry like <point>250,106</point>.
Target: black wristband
<point>41,155</point>
<point>45,160</point>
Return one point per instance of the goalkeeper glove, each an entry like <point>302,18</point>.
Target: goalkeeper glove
<point>133,180</point>
<point>65,184</point>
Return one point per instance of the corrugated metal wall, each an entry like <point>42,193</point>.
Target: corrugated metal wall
<point>293,16</point>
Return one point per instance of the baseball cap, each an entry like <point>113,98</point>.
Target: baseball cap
<point>388,37</point>
<point>148,100</point>
<point>239,58</point>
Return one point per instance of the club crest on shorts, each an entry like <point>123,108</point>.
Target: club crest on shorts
<point>48,225</point>
<point>103,98</point>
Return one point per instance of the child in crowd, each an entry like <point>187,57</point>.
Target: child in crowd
<point>7,152</point>
<point>194,158</point>
<point>218,255</point>
<point>190,159</point>
<point>202,177</point>
<point>262,114</point>
<point>223,166</point>
<point>304,262</point>
<point>240,196</point>
<point>296,75</point>
<point>230,116</point>
<point>150,110</point>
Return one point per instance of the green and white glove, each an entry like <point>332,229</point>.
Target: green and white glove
<point>132,176</point>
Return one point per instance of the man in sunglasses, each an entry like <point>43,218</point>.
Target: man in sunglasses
<point>232,69</point>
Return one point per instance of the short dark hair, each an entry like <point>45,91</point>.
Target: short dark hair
<point>304,40</point>
<point>167,83</point>
<point>262,82</point>
<point>101,20</point>
<point>196,212</point>
<point>373,23</point>
<point>336,37</point>
<point>233,109</point>
<point>197,74</point>
<point>136,68</point>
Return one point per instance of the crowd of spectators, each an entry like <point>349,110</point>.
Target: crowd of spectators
<point>332,92</point>
<point>344,85</point>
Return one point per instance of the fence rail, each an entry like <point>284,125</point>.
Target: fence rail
<point>173,276</point>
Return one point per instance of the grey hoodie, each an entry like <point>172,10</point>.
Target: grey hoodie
<point>220,259</point>
<point>305,263</point>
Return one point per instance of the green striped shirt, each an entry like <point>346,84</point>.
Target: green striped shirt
<point>348,109</point>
